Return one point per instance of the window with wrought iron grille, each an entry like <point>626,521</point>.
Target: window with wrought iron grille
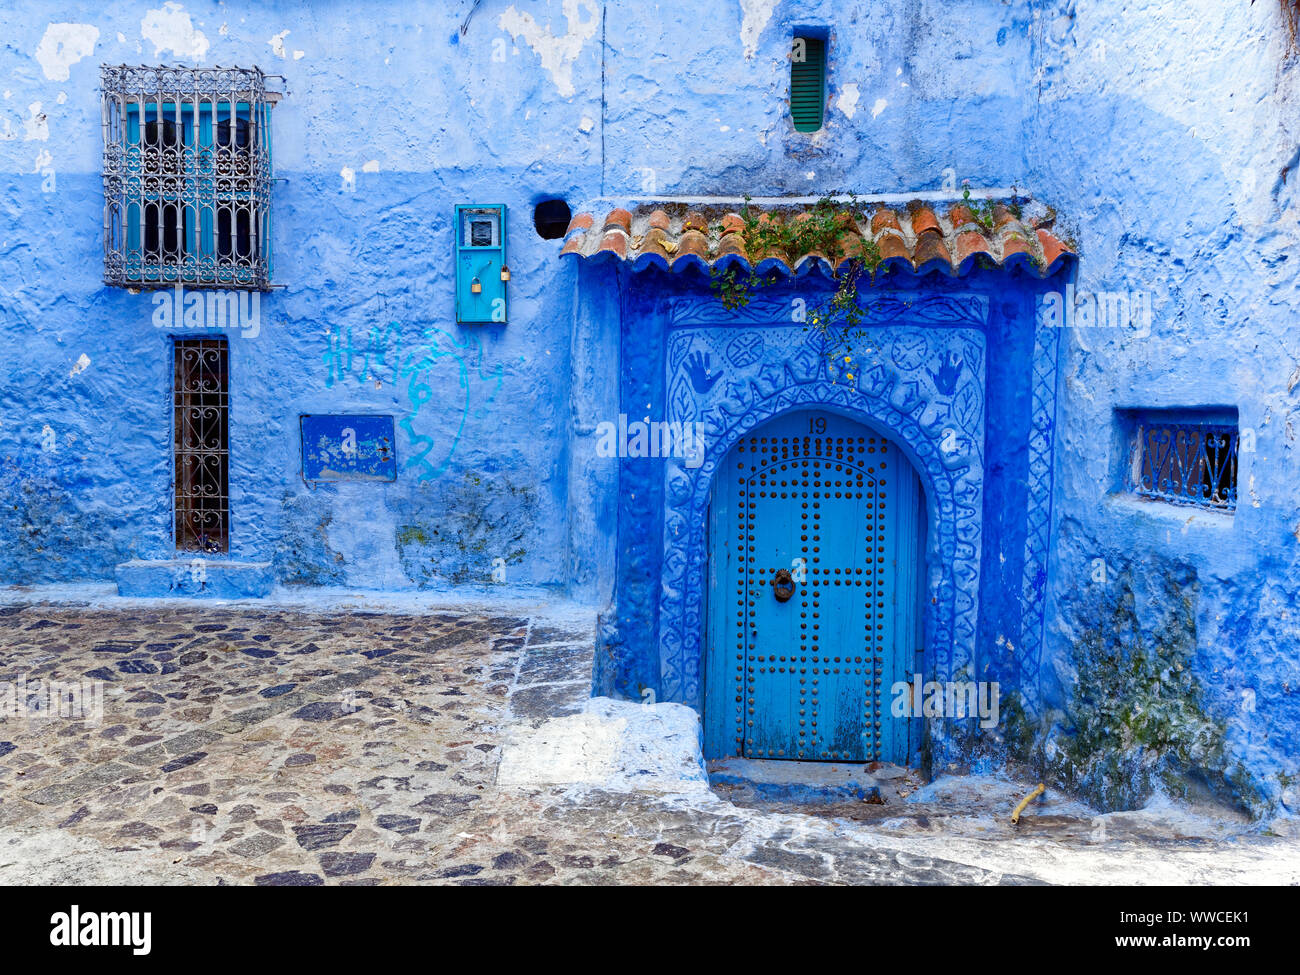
<point>187,177</point>
<point>201,421</point>
<point>1184,457</point>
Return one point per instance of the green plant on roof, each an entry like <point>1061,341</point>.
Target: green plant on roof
<point>828,229</point>
<point>982,210</point>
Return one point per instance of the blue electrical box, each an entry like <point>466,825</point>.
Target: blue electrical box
<point>481,270</point>
<point>341,447</point>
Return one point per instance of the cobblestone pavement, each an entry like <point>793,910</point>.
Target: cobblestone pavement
<point>272,746</point>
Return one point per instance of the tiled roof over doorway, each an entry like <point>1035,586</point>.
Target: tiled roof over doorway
<point>917,237</point>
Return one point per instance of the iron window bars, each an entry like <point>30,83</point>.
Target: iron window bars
<point>187,177</point>
<point>201,421</point>
<point>1188,462</point>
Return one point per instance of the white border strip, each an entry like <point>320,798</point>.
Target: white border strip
<point>941,196</point>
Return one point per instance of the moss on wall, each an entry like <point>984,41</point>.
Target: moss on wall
<point>1138,719</point>
<point>480,523</point>
<point>303,555</point>
<point>50,534</point>
<point>1138,713</point>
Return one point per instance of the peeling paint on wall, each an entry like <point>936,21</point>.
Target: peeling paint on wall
<point>755,15</point>
<point>277,43</point>
<point>278,48</point>
<point>62,46</point>
<point>36,124</point>
<point>304,555</point>
<point>484,521</point>
<point>170,29</point>
<point>847,102</point>
<point>556,52</point>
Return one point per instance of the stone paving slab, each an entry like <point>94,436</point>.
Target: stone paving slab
<point>268,746</point>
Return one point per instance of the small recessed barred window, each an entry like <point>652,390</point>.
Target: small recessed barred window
<point>1184,459</point>
<point>201,418</point>
<point>187,177</point>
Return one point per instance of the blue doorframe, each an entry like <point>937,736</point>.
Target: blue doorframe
<point>816,540</point>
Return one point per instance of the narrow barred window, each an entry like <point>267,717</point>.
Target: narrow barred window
<point>201,416</point>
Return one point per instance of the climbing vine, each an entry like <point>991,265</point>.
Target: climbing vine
<point>830,229</point>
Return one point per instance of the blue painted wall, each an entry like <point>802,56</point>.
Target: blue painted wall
<point>1167,133</point>
<point>1164,136</point>
<point>390,119</point>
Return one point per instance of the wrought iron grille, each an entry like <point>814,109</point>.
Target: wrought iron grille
<point>187,177</point>
<point>1186,463</point>
<point>201,417</point>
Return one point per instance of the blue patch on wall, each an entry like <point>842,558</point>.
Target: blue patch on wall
<point>347,447</point>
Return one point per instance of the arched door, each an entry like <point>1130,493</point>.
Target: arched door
<point>815,541</point>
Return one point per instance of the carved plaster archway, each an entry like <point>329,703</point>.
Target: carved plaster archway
<point>921,384</point>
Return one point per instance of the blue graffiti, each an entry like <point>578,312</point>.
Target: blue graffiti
<point>384,360</point>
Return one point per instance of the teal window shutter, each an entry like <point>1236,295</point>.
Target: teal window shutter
<point>807,83</point>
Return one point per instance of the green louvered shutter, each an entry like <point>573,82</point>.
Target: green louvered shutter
<point>807,83</point>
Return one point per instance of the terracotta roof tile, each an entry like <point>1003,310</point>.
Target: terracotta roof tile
<point>931,252</point>
<point>884,220</point>
<point>614,242</point>
<point>732,223</point>
<point>692,249</point>
<point>1017,246</point>
<point>813,260</point>
<point>1014,244</point>
<point>1052,248</point>
<point>695,221</point>
<point>970,243</point>
<point>1002,214</point>
<point>619,218</point>
<point>657,243</point>
<point>923,220</point>
<point>961,215</point>
<point>914,238</point>
<point>850,248</point>
<point>1011,227</point>
<point>893,247</point>
<point>580,221</point>
<point>732,243</point>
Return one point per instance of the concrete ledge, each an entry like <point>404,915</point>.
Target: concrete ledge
<point>212,578</point>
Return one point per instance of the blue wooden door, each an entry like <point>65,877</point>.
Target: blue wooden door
<point>815,539</point>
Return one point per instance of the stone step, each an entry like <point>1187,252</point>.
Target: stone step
<point>198,577</point>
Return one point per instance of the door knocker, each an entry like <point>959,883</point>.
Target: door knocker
<point>782,585</point>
